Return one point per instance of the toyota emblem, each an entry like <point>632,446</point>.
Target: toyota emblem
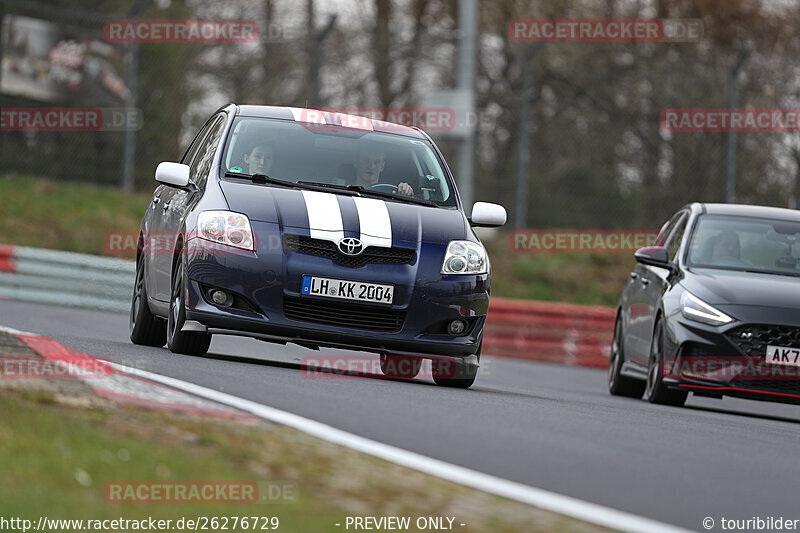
<point>351,246</point>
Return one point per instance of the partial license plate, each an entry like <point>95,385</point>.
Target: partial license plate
<point>348,290</point>
<point>783,355</point>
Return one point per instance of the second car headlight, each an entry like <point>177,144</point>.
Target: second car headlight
<point>226,227</point>
<point>694,308</point>
<point>465,257</point>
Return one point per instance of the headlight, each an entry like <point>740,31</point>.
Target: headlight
<point>694,308</point>
<point>465,257</point>
<point>225,227</point>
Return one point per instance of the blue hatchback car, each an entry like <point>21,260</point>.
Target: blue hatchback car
<point>320,229</point>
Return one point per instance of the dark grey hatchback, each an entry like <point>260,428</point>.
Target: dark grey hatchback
<point>713,309</point>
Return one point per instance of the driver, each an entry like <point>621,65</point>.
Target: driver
<point>727,246</point>
<point>369,163</point>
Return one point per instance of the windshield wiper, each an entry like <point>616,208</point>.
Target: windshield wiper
<point>357,188</point>
<point>263,179</point>
<point>364,190</point>
<point>774,272</point>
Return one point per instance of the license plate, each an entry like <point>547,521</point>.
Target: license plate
<point>348,290</point>
<point>783,355</point>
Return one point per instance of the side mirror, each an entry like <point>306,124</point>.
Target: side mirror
<point>173,174</point>
<point>654,256</point>
<point>486,215</point>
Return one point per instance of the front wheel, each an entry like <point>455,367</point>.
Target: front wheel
<point>454,373</point>
<point>656,391</point>
<point>400,366</point>
<point>183,342</point>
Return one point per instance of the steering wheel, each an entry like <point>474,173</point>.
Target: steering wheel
<point>385,187</point>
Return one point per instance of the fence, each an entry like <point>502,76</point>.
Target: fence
<point>554,332</point>
<point>66,278</point>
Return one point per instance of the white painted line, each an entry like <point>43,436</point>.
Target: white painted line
<point>12,331</point>
<point>550,501</point>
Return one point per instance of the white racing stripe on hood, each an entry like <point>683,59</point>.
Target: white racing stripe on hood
<point>375,224</point>
<point>324,216</point>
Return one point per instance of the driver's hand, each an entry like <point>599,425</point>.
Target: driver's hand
<point>405,188</point>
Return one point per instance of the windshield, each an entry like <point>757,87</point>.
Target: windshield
<point>744,243</point>
<point>336,156</point>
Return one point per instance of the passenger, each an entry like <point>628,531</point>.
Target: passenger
<point>258,159</point>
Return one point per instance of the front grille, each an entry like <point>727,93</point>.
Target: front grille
<point>753,339</point>
<point>343,314</point>
<point>372,254</point>
<point>759,375</point>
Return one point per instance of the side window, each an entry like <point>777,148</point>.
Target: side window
<point>675,239</point>
<point>667,228</point>
<point>196,142</point>
<point>201,165</point>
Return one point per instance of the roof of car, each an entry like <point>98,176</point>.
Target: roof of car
<point>330,117</point>
<point>752,211</point>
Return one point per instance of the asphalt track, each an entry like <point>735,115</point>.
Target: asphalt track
<point>543,425</point>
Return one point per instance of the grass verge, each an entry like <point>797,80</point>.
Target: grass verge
<point>58,455</point>
<point>75,217</point>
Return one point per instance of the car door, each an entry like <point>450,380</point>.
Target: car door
<point>168,204</point>
<point>637,305</point>
<point>658,278</point>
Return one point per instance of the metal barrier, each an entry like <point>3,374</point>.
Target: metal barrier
<point>66,278</point>
<point>561,333</point>
<point>567,334</point>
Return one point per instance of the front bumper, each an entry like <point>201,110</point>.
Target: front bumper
<point>266,279</point>
<point>731,360</point>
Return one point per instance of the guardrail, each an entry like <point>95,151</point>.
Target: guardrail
<point>561,333</point>
<point>66,278</point>
<point>568,334</point>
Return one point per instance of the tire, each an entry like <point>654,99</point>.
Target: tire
<point>182,342</point>
<point>400,366</point>
<point>655,390</point>
<point>145,328</point>
<point>619,385</point>
<point>455,374</point>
